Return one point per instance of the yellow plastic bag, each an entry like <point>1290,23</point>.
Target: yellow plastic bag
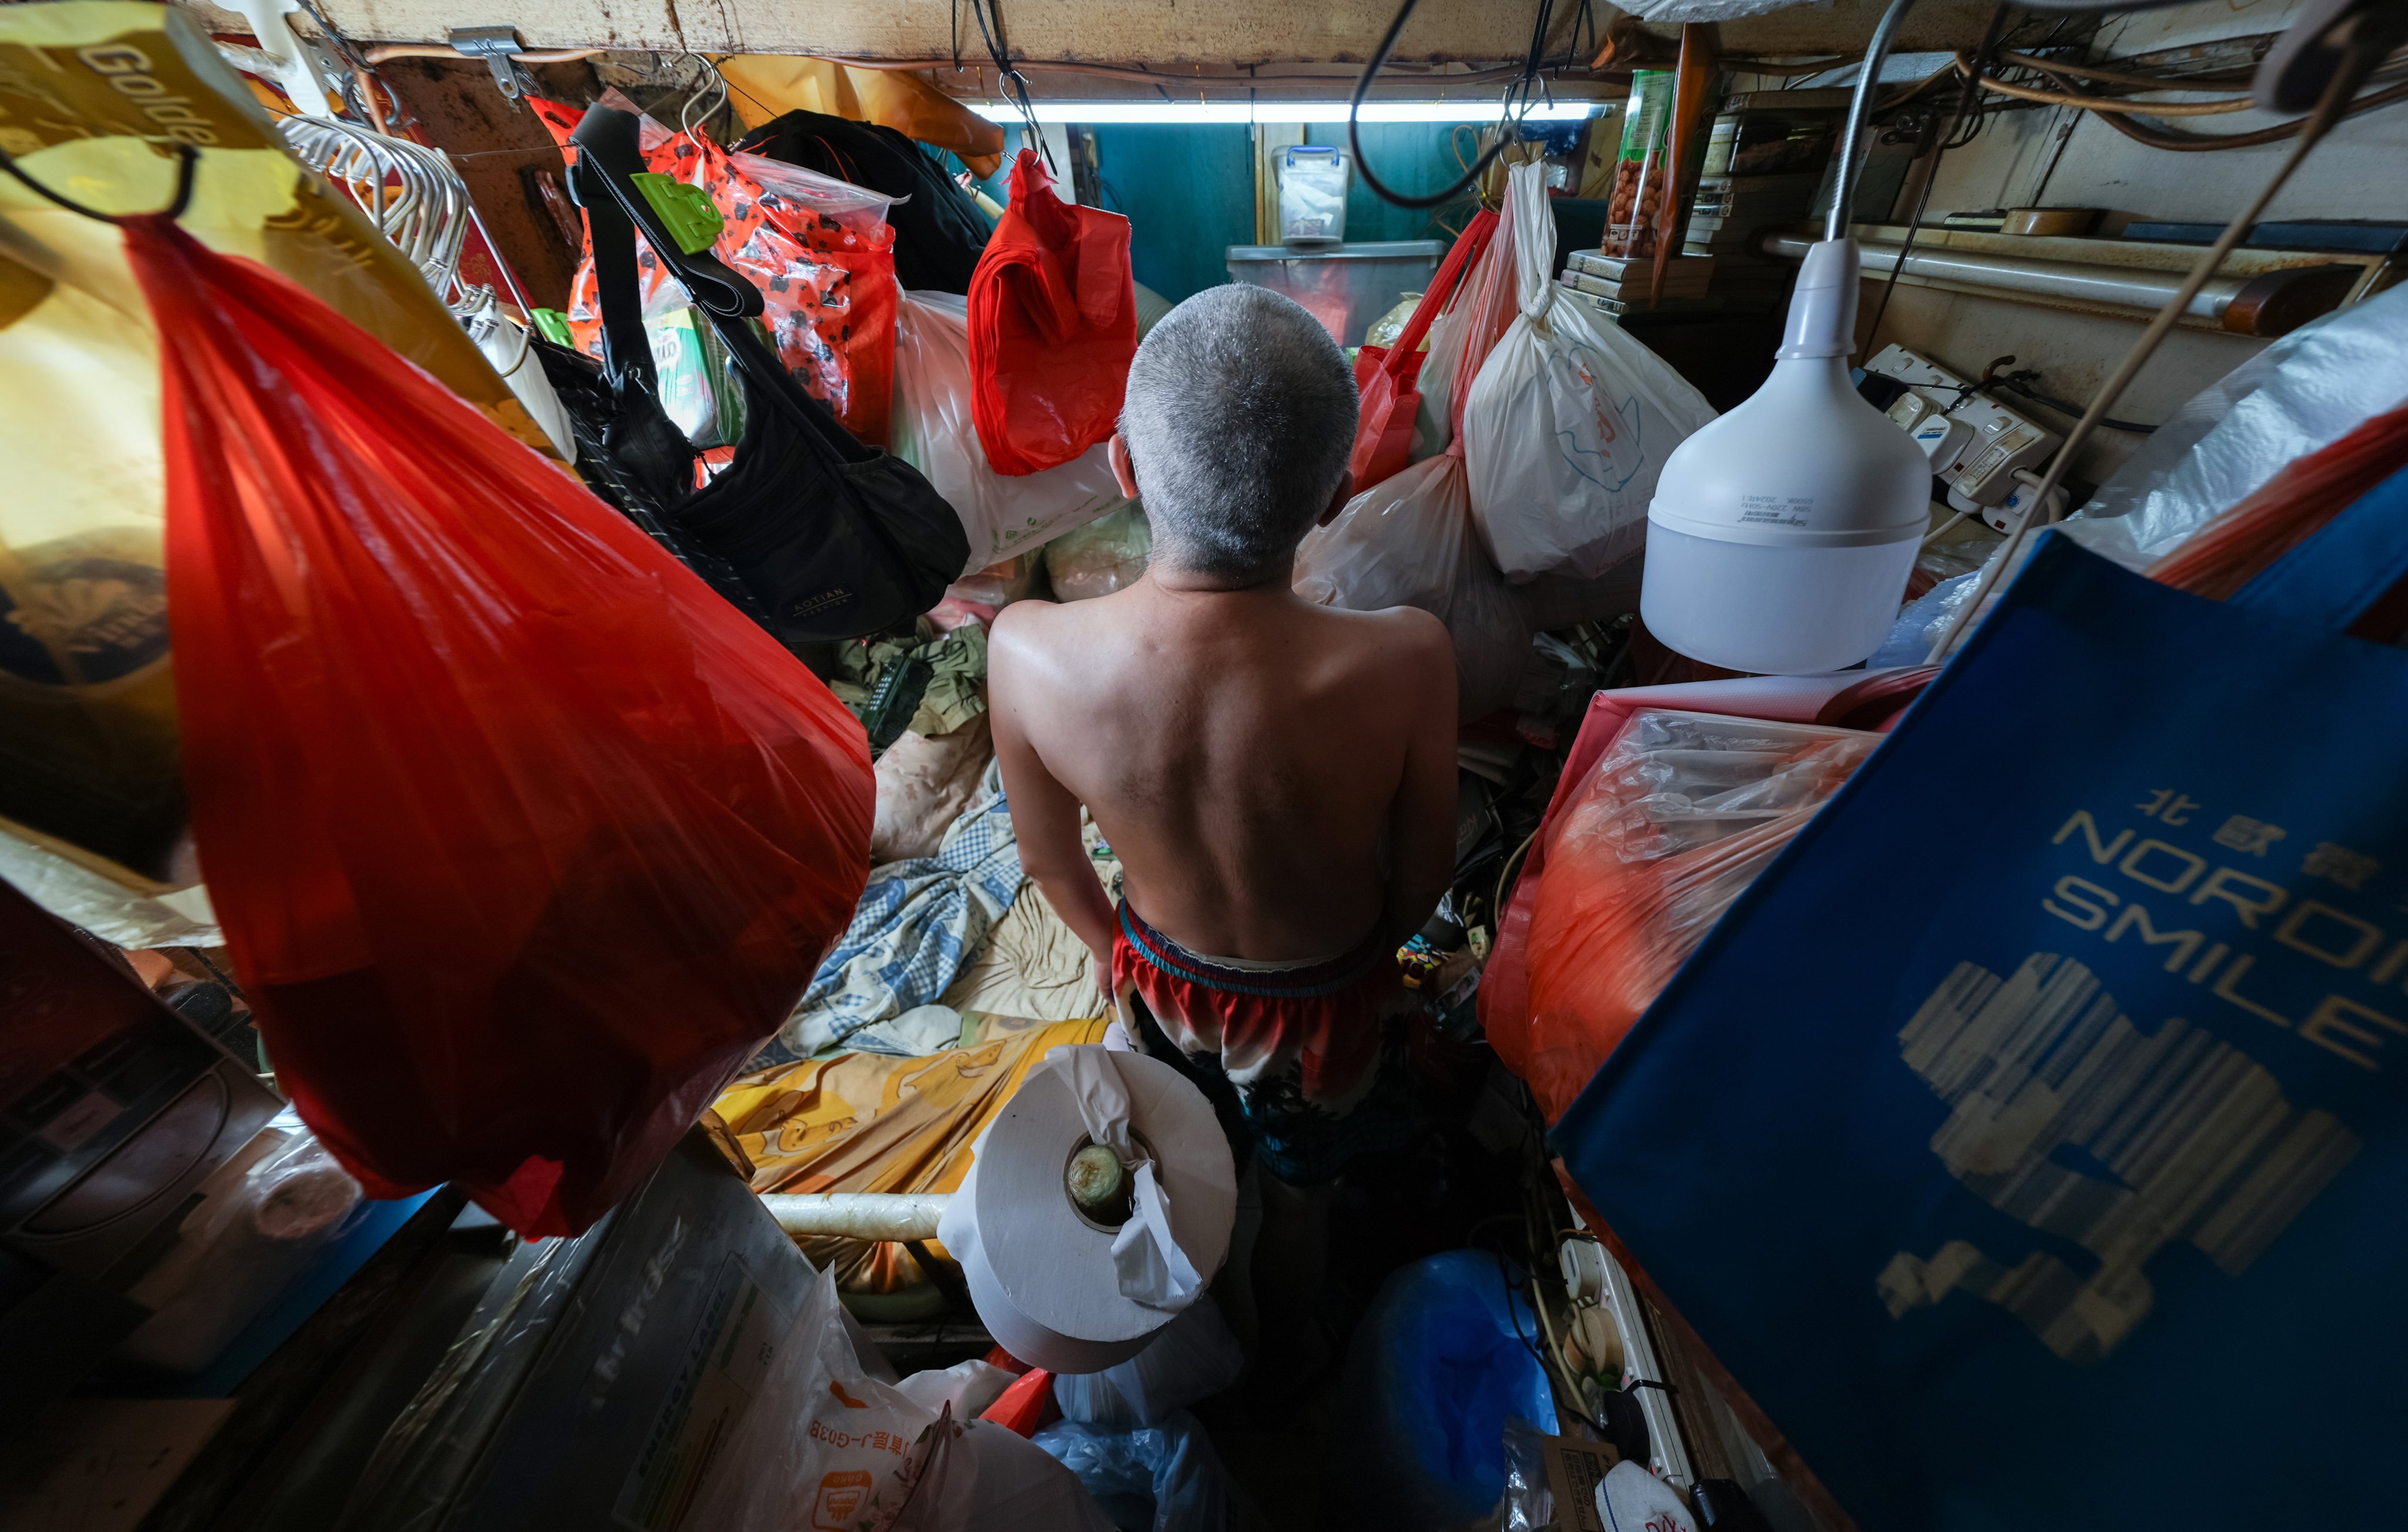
<point>93,95</point>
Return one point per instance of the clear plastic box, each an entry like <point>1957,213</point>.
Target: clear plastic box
<point>1312,195</point>
<point>1345,287</point>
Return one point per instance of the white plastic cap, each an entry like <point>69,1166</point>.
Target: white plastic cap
<point>1822,306</point>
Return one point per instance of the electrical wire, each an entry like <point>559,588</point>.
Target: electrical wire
<point>1522,86</point>
<point>1012,82</point>
<point>1968,102</point>
<point>2361,60</point>
<point>2090,102</point>
<point>2068,407</point>
<point>2193,143</point>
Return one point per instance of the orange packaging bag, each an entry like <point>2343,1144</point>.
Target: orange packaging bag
<point>522,839</point>
<point>820,251</point>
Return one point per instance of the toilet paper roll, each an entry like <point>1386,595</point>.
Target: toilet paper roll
<point>1042,1274</point>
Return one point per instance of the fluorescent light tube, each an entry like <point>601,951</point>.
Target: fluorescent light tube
<point>1166,113</point>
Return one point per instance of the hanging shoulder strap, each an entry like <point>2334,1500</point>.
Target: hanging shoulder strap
<point>609,156</point>
<point>1467,249</point>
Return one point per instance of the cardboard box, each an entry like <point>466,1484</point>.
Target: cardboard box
<point>1573,1468</point>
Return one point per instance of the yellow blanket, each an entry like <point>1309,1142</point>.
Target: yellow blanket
<point>867,1123</point>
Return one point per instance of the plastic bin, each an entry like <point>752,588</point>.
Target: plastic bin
<point>1345,286</point>
<point>1312,195</point>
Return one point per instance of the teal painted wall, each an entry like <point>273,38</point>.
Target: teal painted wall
<point>1188,190</point>
<point>1411,158</point>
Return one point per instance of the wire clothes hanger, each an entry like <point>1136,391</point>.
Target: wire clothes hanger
<point>188,160</point>
<point>415,198</point>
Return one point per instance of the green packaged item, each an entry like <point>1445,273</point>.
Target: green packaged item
<point>698,387</point>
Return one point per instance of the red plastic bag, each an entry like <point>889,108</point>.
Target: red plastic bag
<point>2287,511</point>
<point>1388,377</point>
<point>823,261</point>
<point>1052,327</point>
<point>1646,844</point>
<point>522,839</point>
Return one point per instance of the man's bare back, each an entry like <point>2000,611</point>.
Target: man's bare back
<point>1277,778</point>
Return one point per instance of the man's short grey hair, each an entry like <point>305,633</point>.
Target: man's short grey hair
<point>1240,417</point>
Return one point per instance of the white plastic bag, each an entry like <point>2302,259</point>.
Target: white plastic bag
<point>823,1444</point>
<point>1188,1361</point>
<point>931,430</point>
<point>1105,555</point>
<point>1407,541</point>
<point>2304,393</point>
<point>1570,421</point>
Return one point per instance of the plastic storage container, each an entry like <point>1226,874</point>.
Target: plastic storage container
<point>1312,195</point>
<point>1345,287</point>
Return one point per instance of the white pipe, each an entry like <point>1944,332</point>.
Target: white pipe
<point>896,1216</point>
<point>2114,287</point>
<point>295,70</point>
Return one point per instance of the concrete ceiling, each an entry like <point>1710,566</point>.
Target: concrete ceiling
<point>1196,40</point>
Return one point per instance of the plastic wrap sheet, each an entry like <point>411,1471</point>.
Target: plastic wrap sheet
<point>2303,393</point>
<point>1676,819</point>
<point>1170,1464</point>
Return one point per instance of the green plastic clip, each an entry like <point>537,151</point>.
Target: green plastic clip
<point>553,327</point>
<point>685,210</point>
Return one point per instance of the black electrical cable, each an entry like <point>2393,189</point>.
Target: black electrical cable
<point>188,160</point>
<point>1014,83</point>
<point>1969,99</point>
<point>2068,407</point>
<point>1523,84</point>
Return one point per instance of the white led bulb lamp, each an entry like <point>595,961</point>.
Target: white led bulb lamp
<point>1781,535</point>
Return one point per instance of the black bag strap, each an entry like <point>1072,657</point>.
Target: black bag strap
<point>609,156</point>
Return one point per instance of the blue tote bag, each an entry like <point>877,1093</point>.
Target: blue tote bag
<point>2028,1141</point>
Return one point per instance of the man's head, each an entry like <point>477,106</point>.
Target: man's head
<point>1239,421</point>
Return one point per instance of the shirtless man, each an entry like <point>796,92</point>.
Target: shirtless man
<point>1278,779</point>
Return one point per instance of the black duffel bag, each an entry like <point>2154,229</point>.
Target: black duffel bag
<point>834,539</point>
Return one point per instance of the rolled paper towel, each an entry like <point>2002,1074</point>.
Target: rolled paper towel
<point>1058,1288</point>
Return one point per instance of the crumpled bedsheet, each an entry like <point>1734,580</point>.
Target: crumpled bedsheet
<point>918,924</point>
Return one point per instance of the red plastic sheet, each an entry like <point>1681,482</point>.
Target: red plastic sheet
<point>522,839</point>
<point>1052,327</point>
<point>827,282</point>
<point>2287,511</point>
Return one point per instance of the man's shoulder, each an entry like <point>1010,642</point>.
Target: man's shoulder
<point>1392,633</point>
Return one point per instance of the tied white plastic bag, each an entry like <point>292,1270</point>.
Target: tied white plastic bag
<point>931,430</point>
<point>1153,1269</point>
<point>1570,421</point>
